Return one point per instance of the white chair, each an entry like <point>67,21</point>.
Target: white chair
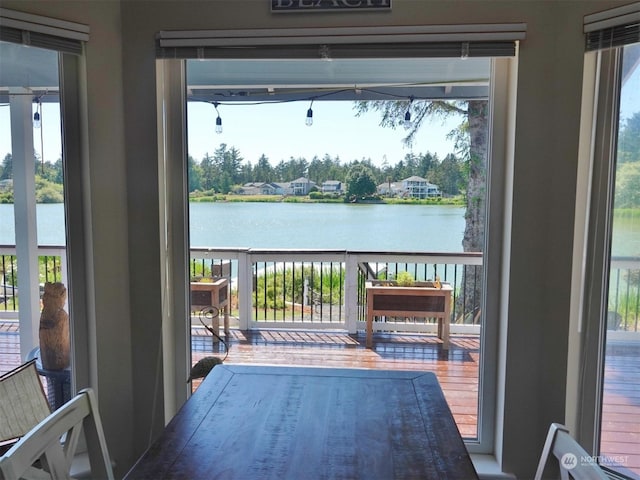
<point>50,446</point>
<point>574,461</point>
<point>24,403</point>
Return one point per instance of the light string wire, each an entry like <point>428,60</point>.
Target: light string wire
<point>316,94</point>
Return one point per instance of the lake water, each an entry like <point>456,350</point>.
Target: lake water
<point>294,225</point>
<point>314,225</point>
<point>386,228</point>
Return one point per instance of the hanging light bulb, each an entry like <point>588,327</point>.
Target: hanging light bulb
<point>218,119</point>
<point>407,120</point>
<point>309,120</point>
<point>36,116</point>
<point>407,116</point>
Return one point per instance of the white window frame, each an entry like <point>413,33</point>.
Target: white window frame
<point>67,38</point>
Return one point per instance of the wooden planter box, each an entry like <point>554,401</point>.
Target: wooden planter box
<point>216,294</point>
<point>385,298</point>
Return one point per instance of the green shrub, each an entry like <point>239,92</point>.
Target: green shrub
<point>276,287</point>
<point>405,279</point>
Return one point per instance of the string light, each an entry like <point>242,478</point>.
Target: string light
<point>36,116</point>
<point>407,115</point>
<point>407,123</point>
<point>218,119</point>
<point>309,120</point>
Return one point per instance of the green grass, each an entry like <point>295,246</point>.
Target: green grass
<point>457,200</point>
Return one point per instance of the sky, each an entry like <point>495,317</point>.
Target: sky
<point>279,132</point>
<point>275,130</point>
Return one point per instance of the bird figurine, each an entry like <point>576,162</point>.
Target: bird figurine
<point>202,367</point>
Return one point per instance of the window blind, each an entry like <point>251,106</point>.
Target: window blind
<point>496,40</point>
<point>613,28</point>
<point>42,32</point>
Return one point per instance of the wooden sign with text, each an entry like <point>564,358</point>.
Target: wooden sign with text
<point>298,6</point>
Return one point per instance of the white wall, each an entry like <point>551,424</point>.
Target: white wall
<point>123,200</point>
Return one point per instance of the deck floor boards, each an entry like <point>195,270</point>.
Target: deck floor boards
<point>457,370</point>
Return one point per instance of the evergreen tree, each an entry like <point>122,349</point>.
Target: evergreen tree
<point>209,172</point>
<point>629,139</point>
<point>6,171</point>
<point>263,171</point>
<point>628,185</point>
<point>194,174</point>
<point>360,181</point>
<point>448,175</point>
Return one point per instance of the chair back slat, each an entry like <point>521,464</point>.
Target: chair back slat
<point>574,461</point>
<point>24,403</point>
<point>47,442</point>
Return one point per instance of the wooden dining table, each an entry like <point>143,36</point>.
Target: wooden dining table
<point>268,422</point>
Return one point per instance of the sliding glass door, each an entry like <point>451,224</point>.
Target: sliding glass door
<point>609,407</point>
<point>619,439</point>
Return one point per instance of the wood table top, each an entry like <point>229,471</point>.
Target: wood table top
<point>263,422</point>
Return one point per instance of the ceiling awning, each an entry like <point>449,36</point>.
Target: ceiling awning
<point>365,79</point>
<point>472,40</point>
<point>341,63</point>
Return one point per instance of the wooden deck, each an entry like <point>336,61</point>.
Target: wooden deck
<point>621,407</point>
<point>457,370</point>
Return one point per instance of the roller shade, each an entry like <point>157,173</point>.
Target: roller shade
<point>42,32</point>
<point>613,28</point>
<point>334,43</point>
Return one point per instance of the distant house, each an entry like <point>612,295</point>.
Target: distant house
<point>271,189</point>
<point>249,189</point>
<point>389,189</point>
<point>301,186</point>
<point>332,186</point>
<point>282,188</point>
<point>418,187</point>
<point>6,185</point>
<point>412,187</point>
<point>261,188</point>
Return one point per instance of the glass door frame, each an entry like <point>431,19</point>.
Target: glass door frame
<point>605,68</point>
<point>173,167</point>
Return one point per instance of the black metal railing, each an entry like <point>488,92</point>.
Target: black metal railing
<point>50,269</point>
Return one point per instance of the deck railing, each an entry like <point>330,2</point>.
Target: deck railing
<point>325,289</point>
<point>52,267</point>
<point>317,289</point>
